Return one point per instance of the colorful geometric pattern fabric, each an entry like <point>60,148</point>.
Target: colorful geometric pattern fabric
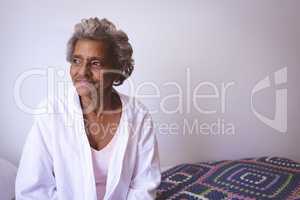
<point>262,178</point>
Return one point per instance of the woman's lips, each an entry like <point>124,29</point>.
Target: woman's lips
<point>83,82</point>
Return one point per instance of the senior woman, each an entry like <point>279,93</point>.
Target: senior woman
<point>100,144</point>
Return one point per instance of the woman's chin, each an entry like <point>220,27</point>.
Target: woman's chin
<point>83,91</point>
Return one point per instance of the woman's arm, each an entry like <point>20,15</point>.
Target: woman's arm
<point>35,179</point>
<point>146,176</point>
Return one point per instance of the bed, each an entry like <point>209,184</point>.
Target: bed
<point>252,178</point>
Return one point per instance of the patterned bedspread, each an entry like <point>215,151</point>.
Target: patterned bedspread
<point>252,178</point>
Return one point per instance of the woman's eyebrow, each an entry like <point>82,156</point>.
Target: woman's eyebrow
<point>96,57</point>
<point>89,58</point>
<point>77,56</point>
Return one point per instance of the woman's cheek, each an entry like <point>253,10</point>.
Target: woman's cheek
<point>72,72</point>
<point>96,75</point>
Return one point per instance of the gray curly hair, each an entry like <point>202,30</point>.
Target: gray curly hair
<point>104,30</point>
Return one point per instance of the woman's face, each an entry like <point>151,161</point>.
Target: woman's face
<point>89,66</point>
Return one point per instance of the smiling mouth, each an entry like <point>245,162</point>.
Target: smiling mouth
<point>83,81</point>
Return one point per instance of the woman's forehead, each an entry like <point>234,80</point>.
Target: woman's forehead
<point>89,48</point>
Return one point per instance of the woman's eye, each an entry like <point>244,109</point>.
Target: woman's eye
<point>96,63</point>
<point>75,61</point>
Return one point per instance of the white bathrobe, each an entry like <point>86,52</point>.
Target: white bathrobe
<point>56,161</point>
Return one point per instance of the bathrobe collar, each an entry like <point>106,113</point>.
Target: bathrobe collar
<point>117,159</point>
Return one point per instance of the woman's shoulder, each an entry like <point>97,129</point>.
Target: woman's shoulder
<point>133,104</point>
<point>52,109</point>
<point>136,112</point>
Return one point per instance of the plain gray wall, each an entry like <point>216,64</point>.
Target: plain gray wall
<point>215,42</point>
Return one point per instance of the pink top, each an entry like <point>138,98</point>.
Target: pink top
<point>100,164</point>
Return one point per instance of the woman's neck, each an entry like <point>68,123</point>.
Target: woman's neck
<point>97,105</point>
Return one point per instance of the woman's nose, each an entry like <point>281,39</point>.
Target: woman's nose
<point>84,69</point>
